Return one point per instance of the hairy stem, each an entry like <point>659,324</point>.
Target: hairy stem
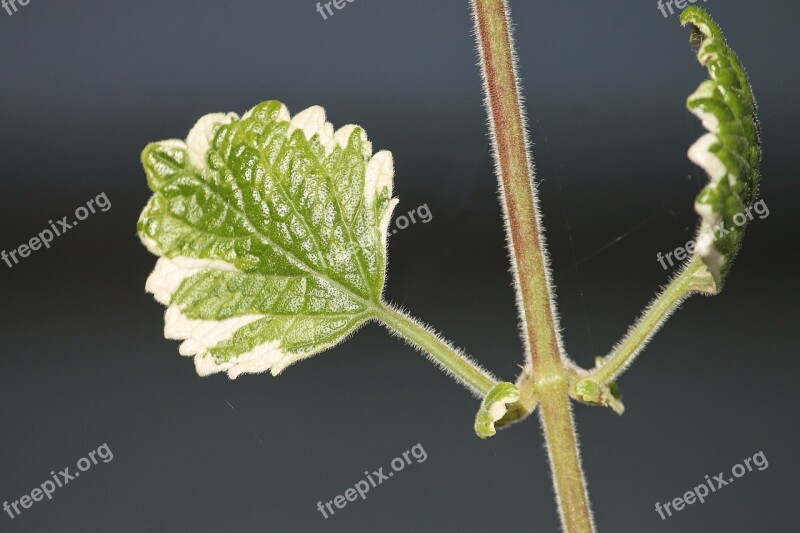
<point>548,373</point>
<point>693,278</point>
<point>452,360</point>
<point>515,172</point>
<point>555,413</point>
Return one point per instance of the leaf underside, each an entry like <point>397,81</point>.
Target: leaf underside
<point>730,153</point>
<point>271,232</point>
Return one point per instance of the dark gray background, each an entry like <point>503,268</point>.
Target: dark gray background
<point>85,85</point>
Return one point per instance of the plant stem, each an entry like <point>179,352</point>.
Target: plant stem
<point>693,278</point>
<point>442,352</point>
<point>555,412</point>
<point>548,373</point>
<point>515,172</point>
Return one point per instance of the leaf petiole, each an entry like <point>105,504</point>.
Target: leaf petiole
<point>452,360</point>
<point>693,278</point>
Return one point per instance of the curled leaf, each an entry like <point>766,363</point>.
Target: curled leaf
<point>730,153</point>
<point>494,407</point>
<point>590,391</point>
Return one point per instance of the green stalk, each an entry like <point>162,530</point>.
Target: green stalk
<point>515,172</point>
<point>693,278</point>
<point>555,413</point>
<point>548,373</point>
<point>442,352</point>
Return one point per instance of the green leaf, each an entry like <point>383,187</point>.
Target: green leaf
<point>271,232</point>
<point>494,407</point>
<point>730,153</point>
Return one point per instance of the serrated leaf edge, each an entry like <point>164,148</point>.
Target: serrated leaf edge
<point>199,336</point>
<point>701,152</point>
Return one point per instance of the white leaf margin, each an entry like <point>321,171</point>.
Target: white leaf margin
<point>199,336</point>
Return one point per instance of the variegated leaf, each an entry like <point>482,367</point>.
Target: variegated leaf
<point>271,232</point>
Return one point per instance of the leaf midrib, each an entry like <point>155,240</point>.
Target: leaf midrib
<point>368,304</point>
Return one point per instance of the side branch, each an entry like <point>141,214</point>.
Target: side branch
<point>692,279</point>
<point>450,359</point>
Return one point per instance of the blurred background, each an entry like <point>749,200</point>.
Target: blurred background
<point>85,85</point>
